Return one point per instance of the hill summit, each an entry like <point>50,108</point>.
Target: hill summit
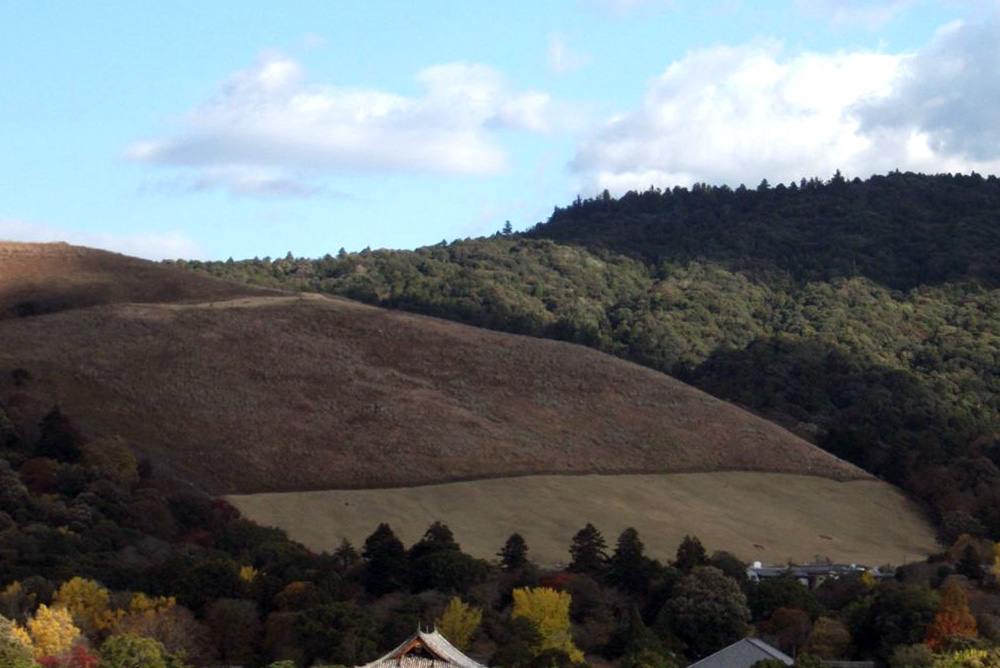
<point>237,390</point>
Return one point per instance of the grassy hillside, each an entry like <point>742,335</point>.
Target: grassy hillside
<point>757,516</point>
<point>863,315</point>
<point>43,278</point>
<point>294,393</point>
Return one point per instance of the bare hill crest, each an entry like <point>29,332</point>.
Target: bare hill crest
<point>272,392</point>
<point>46,277</point>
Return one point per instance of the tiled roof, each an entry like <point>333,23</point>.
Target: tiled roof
<point>445,655</point>
<point>743,654</point>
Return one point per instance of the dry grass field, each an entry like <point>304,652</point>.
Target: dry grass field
<point>759,516</point>
<point>293,393</point>
<point>56,276</point>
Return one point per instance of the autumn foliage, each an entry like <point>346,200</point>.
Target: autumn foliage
<point>953,617</point>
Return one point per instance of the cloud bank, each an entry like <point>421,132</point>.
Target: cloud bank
<point>739,115</point>
<point>269,131</point>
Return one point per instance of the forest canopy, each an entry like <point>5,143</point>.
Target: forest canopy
<point>863,315</point>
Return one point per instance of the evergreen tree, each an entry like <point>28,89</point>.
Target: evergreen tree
<point>345,557</point>
<point>437,562</point>
<point>629,569</point>
<point>642,648</point>
<point>387,568</point>
<point>514,553</point>
<point>437,538</point>
<point>59,438</point>
<point>588,552</point>
<point>690,554</point>
<point>970,565</point>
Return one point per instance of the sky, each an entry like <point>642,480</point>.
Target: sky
<point>209,130</point>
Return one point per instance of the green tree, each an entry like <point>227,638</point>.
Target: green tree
<point>386,566</point>
<point>59,438</point>
<point>897,614</point>
<point>14,653</point>
<point>707,611</point>
<point>514,553</point>
<point>690,554</point>
<point>130,651</point>
<point>340,633</point>
<point>628,568</point>
<point>588,552</point>
<point>345,556</point>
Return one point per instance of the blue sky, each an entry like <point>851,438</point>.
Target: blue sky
<point>218,129</point>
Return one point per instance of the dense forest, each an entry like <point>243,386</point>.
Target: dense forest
<point>863,315</point>
<point>103,564</point>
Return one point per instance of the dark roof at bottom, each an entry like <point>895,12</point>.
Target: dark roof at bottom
<point>743,654</point>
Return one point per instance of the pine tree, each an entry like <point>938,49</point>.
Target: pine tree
<point>588,552</point>
<point>437,538</point>
<point>345,557</point>
<point>514,553</point>
<point>59,438</point>
<point>629,569</point>
<point>385,558</point>
<point>690,554</point>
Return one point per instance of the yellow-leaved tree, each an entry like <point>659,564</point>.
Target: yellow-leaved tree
<point>90,605</point>
<point>141,604</point>
<point>548,610</point>
<point>52,630</point>
<point>458,623</point>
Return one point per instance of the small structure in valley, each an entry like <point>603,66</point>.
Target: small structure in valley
<point>743,654</point>
<point>425,650</point>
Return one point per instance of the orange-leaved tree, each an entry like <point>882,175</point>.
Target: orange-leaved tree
<point>953,617</point>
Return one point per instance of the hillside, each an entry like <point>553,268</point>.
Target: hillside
<point>757,516</point>
<point>43,278</point>
<point>863,315</point>
<point>294,393</point>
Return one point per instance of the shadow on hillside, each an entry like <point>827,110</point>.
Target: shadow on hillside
<point>888,421</point>
<point>901,230</point>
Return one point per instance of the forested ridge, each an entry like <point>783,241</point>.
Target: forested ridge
<point>862,314</point>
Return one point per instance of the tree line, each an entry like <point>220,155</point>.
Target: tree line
<point>863,315</point>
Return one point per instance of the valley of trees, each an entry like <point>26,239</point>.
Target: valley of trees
<point>103,564</point>
<point>863,315</point>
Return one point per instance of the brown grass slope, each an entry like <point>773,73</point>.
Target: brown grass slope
<point>283,393</point>
<point>772,517</point>
<point>47,277</point>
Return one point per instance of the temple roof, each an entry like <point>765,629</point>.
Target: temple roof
<point>425,650</point>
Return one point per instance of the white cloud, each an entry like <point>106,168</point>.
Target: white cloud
<point>561,57</point>
<point>147,245</point>
<point>739,115</point>
<point>269,120</point>
<point>948,93</point>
